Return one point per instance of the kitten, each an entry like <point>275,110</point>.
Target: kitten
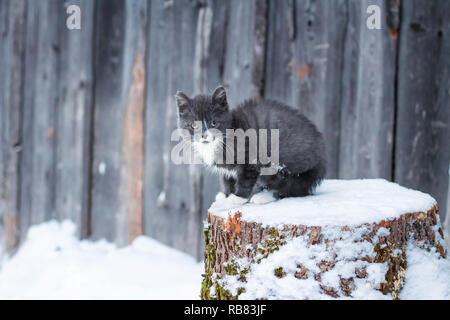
<point>301,146</point>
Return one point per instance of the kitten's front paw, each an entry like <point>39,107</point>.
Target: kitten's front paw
<point>234,199</point>
<point>262,197</point>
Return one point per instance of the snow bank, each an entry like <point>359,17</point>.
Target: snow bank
<point>427,275</point>
<point>335,202</point>
<point>53,264</point>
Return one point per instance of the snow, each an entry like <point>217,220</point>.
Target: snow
<point>53,264</point>
<point>235,200</point>
<point>161,201</point>
<point>335,202</point>
<point>262,197</point>
<point>427,274</point>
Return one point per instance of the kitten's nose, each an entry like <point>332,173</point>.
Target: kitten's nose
<point>207,137</point>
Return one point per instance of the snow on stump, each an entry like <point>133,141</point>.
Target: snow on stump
<point>349,240</point>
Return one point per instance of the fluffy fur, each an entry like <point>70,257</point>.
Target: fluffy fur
<point>301,146</point>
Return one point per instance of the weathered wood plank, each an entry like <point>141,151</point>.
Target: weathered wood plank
<point>422,153</point>
<point>204,39</point>
<point>245,50</point>
<point>171,192</point>
<point>132,151</point>
<point>40,112</point>
<point>210,57</point>
<point>366,142</point>
<point>4,10</point>
<point>317,66</point>
<point>108,115</point>
<point>305,53</point>
<point>214,64</point>
<point>57,88</point>
<point>238,50</point>
<point>214,68</point>
<point>221,66</point>
<point>116,210</point>
<point>12,49</point>
<point>280,34</point>
<point>73,121</point>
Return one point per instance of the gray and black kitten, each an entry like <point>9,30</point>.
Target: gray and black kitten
<point>302,160</point>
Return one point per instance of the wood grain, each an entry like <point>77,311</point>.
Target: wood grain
<point>86,115</point>
<point>422,150</point>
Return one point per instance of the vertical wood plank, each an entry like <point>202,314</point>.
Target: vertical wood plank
<point>214,64</point>
<point>210,57</point>
<point>73,122</point>
<point>57,85</point>
<point>245,50</point>
<point>204,29</point>
<point>279,53</point>
<point>214,67</point>
<point>108,113</point>
<point>171,192</point>
<point>12,48</point>
<point>208,74</point>
<point>422,154</point>
<point>222,68</point>
<point>368,95</point>
<point>116,209</point>
<point>132,147</point>
<point>317,66</point>
<point>40,111</point>
<point>305,54</point>
<point>4,10</point>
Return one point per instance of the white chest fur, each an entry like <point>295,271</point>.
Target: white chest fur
<point>223,171</point>
<point>207,153</point>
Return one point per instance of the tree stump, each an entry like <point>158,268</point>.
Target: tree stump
<point>349,240</point>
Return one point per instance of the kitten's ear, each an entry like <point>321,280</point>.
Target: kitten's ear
<point>220,96</point>
<point>182,101</point>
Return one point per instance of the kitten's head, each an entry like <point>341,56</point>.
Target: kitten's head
<point>204,113</point>
<point>206,117</point>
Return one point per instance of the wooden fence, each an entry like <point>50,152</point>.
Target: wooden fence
<point>86,115</point>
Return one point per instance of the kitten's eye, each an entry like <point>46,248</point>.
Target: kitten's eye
<point>214,124</point>
<point>194,125</point>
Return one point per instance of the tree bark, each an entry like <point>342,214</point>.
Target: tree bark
<point>227,240</point>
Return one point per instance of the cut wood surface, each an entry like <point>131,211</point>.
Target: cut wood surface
<point>252,256</point>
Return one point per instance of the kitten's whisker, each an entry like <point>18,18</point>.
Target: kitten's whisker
<point>227,147</point>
